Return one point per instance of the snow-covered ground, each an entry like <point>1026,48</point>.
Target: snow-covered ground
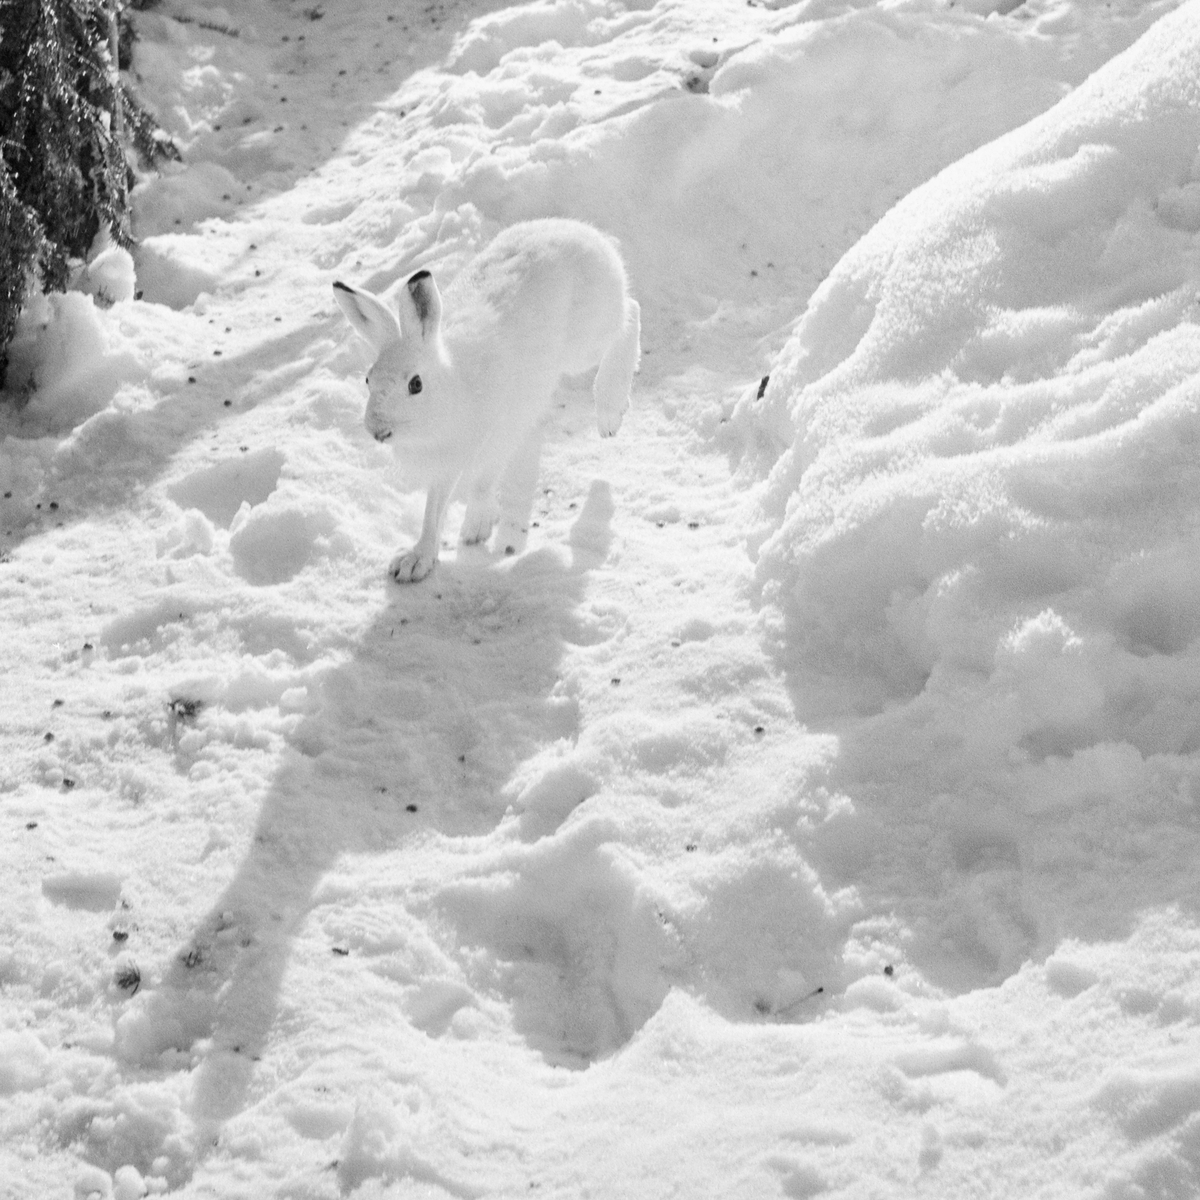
<point>801,796</point>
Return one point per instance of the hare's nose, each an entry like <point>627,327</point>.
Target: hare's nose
<point>383,437</point>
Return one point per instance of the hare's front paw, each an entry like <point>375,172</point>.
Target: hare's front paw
<point>411,566</point>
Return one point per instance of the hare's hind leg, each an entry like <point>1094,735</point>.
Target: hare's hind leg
<point>614,376</point>
<point>518,489</point>
<point>483,510</point>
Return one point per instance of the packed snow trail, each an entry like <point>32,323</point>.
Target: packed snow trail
<point>318,885</point>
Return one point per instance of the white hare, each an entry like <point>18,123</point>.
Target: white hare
<point>457,394</point>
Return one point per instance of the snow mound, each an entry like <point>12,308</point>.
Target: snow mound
<point>581,939</point>
<point>491,38</point>
<point>965,386</point>
<point>108,273</point>
<point>220,491</point>
<point>67,360</point>
<point>980,522</point>
<point>98,891</point>
<point>24,1062</point>
<point>734,139</point>
<point>273,542</point>
<point>382,1142</point>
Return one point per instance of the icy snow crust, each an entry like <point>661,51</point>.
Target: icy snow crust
<point>806,805</point>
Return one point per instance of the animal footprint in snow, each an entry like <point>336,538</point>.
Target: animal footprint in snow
<point>457,391</point>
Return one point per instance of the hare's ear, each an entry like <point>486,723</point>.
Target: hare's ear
<point>421,306</point>
<point>368,314</point>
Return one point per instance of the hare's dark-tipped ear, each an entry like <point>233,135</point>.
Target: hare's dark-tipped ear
<point>368,314</point>
<point>421,306</point>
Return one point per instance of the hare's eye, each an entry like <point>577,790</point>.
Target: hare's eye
<point>414,385</point>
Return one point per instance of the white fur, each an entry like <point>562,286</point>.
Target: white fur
<point>546,299</point>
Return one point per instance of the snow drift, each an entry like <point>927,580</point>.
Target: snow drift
<point>980,553</point>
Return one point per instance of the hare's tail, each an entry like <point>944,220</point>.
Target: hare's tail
<point>615,374</point>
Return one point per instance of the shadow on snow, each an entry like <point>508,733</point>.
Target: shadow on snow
<point>419,732</point>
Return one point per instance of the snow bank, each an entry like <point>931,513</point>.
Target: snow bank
<point>108,274</point>
<point>767,141</point>
<point>980,523</point>
<point>67,360</point>
<point>965,384</point>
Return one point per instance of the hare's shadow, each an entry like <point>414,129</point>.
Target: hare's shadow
<point>453,684</point>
